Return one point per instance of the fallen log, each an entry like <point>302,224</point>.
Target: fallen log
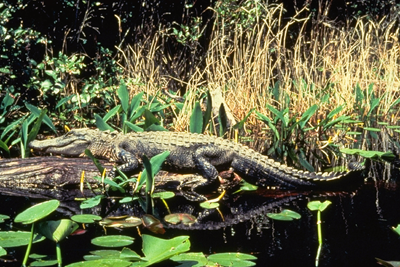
<point>47,177</point>
<point>59,178</point>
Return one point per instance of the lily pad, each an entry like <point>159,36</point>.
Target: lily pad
<point>209,205</point>
<point>37,212</point>
<point>2,252</point>
<point>3,217</point>
<point>157,249</point>
<point>317,205</point>
<point>103,254</point>
<point>175,218</point>
<point>86,218</point>
<point>121,223</point>
<point>113,241</point>
<point>91,202</point>
<point>233,259</point>
<point>191,257</point>
<point>17,239</point>
<point>153,224</point>
<point>163,195</point>
<point>101,263</point>
<point>284,215</point>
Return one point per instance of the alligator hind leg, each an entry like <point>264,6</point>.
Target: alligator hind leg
<point>206,158</point>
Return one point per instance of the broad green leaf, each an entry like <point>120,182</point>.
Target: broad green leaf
<point>303,161</point>
<point>191,257</point>
<point>64,100</point>
<point>307,115</point>
<point>128,199</point>
<point>163,195</point>
<point>4,147</point>
<point>175,218</point>
<point>133,127</point>
<point>37,212</point>
<point>103,254</point>
<point>270,124</point>
<point>156,249</point>
<point>101,124</point>
<point>111,113</point>
<point>233,259</point>
<point>150,119</point>
<point>113,241</point>
<point>36,111</point>
<point>241,123</point>
<point>91,202</point>
<point>17,239</point>
<point>123,96</point>
<point>3,252</point>
<point>279,114</point>
<point>134,106</point>
<point>56,230</point>
<point>128,254</point>
<point>375,155</point>
<point>222,120</point>
<point>86,218</point>
<point>209,205</point>
<point>156,163</point>
<point>317,205</point>
<point>101,263</point>
<point>3,217</point>
<point>196,119</point>
<point>284,215</point>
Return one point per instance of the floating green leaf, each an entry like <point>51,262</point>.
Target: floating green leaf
<point>175,218</point>
<point>3,252</point>
<point>284,215</point>
<point>3,217</point>
<point>209,205</point>
<point>101,263</point>
<point>374,155</point>
<point>163,195</point>
<point>37,212</point>
<point>113,241</point>
<point>317,205</point>
<point>17,239</point>
<point>233,259</point>
<point>91,202</point>
<point>86,218</point>
<point>192,257</point>
<point>157,249</point>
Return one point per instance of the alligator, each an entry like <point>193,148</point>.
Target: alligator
<point>189,152</point>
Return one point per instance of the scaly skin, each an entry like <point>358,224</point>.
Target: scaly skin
<point>188,153</point>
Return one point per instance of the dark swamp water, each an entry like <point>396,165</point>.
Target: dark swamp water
<point>356,227</point>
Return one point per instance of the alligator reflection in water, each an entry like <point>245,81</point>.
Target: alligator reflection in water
<point>356,227</point>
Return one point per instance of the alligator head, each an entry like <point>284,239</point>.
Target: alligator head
<point>72,143</point>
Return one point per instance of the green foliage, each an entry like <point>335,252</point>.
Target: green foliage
<point>284,215</point>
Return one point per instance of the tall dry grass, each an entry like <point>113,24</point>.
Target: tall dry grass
<point>329,59</point>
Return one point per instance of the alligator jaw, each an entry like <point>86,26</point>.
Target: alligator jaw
<point>59,146</point>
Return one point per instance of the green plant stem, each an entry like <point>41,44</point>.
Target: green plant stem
<point>58,252</point>
<point>28,249</point>
<point>319,238</point>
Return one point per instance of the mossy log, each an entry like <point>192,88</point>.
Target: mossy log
<point>59,178</point>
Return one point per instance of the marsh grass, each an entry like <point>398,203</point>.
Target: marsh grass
<point>310,60</point>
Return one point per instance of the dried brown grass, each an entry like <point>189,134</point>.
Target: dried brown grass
<point>245,64</point>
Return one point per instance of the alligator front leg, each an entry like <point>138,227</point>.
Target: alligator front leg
<point>129,160</point>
